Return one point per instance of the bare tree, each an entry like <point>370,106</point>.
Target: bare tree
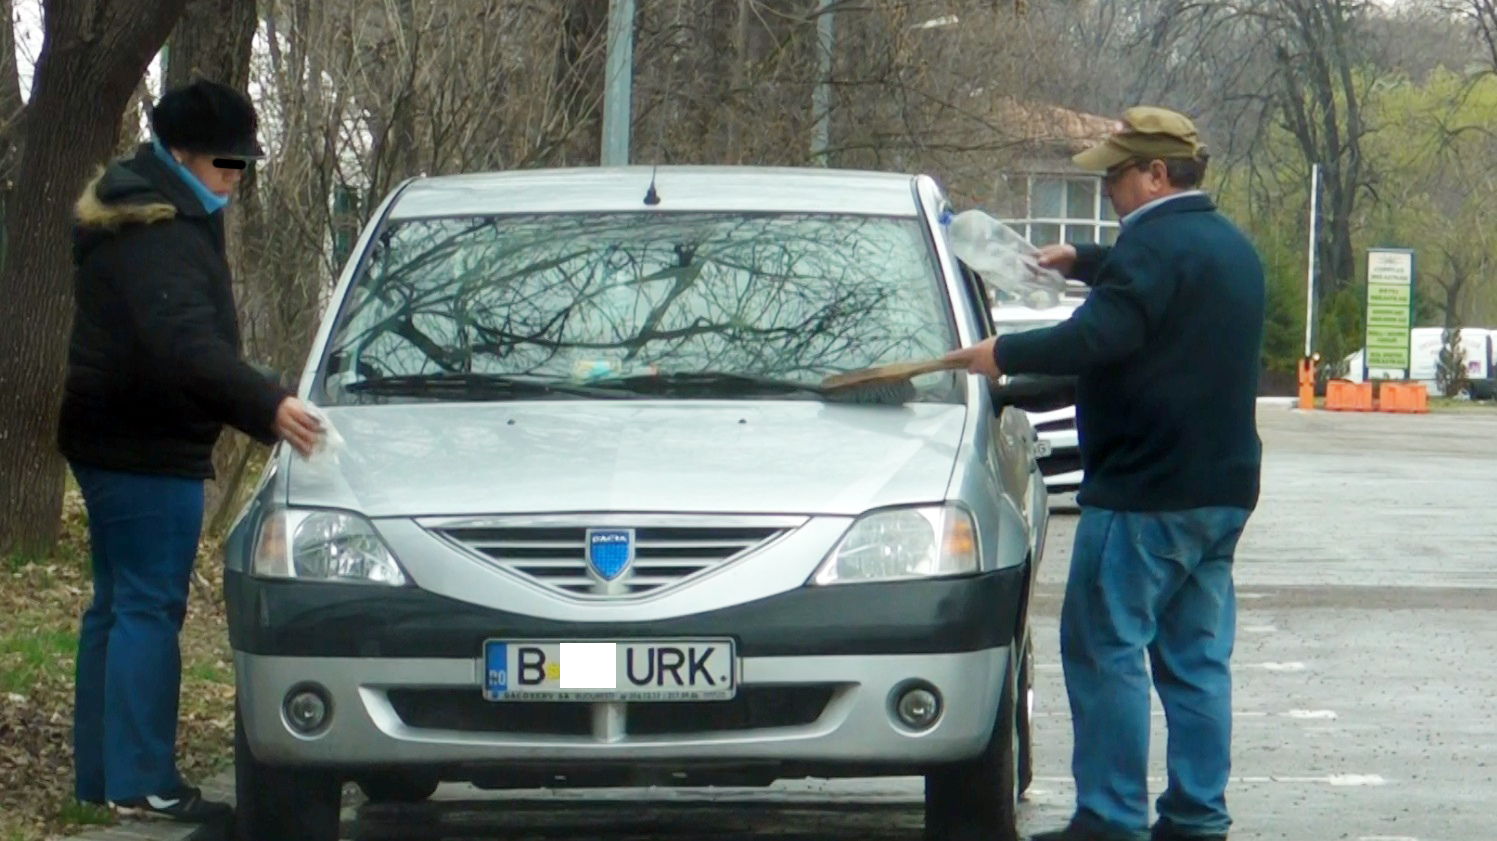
<point>213,40</point>
<point>1483,17</point>
<point>12,107</point>
<point>92,58</point>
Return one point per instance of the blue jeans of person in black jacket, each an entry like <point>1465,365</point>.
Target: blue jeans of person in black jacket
<point>144,533</point>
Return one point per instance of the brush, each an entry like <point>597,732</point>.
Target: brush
<point>883,383</point>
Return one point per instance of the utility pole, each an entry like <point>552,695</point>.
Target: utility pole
<point>1310,269</point>
<point>821,102</point>
<point>1307,362</point>
<point>618,83</point>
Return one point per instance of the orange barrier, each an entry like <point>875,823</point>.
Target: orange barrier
<point>1404,398</point>
<point>1347,396</point>
<point>1307,383</point>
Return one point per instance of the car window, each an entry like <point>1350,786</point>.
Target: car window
<point>792,297</point>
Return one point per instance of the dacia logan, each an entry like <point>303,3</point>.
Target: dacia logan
<point>592,518</point>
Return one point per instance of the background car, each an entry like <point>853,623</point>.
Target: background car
<point>1058,451</point>
<point>593,519</point>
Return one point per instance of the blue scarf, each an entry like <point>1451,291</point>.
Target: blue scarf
<point>211,201</point>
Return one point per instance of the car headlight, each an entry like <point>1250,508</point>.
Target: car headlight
<point>324,546</point>
<point>926,542</point>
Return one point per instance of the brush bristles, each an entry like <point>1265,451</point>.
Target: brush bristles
<point>888,393</point>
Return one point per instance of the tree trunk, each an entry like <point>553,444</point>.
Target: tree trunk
<point>213,40</point>
<point>92,56</point>
<point>11,103</point>
<point>579,73</point>
<point>12,112</point>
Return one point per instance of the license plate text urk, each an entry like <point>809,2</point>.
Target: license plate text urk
<point>662,670</point>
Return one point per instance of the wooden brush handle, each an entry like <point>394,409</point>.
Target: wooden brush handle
<point>891,373</point>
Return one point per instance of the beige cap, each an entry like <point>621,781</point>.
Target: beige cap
<point>1145,133</point>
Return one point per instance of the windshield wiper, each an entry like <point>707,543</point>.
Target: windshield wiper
<point>706,382</point>
<point>468,384</point>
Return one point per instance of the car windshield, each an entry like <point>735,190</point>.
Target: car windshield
<point>624,305</point>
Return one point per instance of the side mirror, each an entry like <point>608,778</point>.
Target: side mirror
<point>1033,392</point>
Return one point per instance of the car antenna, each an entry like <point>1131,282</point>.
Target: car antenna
<point>652,198</point>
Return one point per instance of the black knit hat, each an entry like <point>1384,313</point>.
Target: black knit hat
<point>208,118</point>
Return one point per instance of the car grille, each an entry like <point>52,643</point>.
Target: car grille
<point>664,557</point>
<point>1054,465</point>
<point>754,708</point>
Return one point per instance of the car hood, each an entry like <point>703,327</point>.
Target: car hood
<point>521,457</point>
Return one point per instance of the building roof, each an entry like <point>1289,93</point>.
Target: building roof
<point>1041,124</point>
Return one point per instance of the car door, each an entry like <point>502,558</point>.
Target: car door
<point>1013,434</point>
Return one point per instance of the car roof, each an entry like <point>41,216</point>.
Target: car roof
<point>695,188</point>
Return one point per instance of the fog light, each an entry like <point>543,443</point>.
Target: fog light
<point>918,707</point>
<point>306,710</point>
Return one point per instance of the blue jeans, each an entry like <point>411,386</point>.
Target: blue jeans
<point>143,532</point>
<point>1159,583</point>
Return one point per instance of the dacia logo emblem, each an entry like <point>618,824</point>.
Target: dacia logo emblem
<point>610,552</point>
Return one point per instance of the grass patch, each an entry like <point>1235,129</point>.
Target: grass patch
<point>84,814</point>
<point>26,656</point>
<point>1450,404</point>
<point>41,603</point>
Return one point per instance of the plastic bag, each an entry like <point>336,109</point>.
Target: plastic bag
<point>1005,259</point>
<point>329,445</point>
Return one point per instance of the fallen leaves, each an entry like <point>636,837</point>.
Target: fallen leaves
<point>40,605</point>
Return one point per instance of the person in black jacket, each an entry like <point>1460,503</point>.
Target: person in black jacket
<point>154,373</point>
<point>1166,349</point>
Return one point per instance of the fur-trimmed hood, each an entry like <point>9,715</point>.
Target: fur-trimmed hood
<point>116,196</point>
<point>133,191</point>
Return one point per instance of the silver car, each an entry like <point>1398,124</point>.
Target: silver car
<point>589,518</point>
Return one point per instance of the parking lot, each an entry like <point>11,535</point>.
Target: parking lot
<point>1366,689</point>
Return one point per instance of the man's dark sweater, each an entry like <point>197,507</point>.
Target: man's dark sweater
<point>1167,350</point>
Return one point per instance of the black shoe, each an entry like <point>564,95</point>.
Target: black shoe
<point>1073,832</point>
<point>185,804</point>
<point>1165,832</point>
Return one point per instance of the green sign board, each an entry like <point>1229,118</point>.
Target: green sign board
<point>1390,307</point>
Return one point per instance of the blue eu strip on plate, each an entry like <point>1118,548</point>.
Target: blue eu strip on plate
<point>495,668</point>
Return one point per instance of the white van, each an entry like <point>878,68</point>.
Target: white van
<point>1479,344</point>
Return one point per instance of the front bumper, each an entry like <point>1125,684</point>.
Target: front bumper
<point>794,716</point>
<point>933,616</point>
<point>820,671</point>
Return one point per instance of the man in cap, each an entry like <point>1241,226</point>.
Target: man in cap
<point>1166,352</point>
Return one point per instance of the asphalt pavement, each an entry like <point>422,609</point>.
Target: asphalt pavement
<point>1366,688</point>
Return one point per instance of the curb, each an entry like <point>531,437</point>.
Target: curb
<point>220,787</point>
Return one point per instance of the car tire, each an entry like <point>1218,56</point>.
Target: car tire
<point>1024,695</point>
<point>398,788</point>
<point>282,804</point>
<point>977,800</point>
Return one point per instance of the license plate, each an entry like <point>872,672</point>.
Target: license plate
<point>626,670</point>
<point>1041,449</point>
